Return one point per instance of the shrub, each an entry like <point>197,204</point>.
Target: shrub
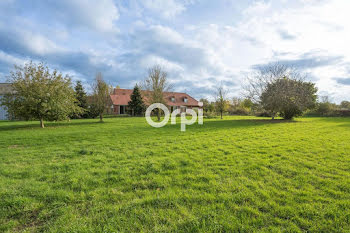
<point>263,114</point>
<point>240,112</point>
<point>210,115</point>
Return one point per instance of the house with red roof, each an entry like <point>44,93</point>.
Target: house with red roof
<point>174,100</point>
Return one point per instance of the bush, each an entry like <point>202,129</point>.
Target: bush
<point>341,113</point>
<point>239,111</point>
<point>263,114</point>
<point>290,112</point>
<point>210,115</point>
<point>327,109</point>
<point>92,111</point>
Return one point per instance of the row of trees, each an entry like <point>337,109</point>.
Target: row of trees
<point>45,95</point>
<point>41,94</point>
<point>273,90</point>
<point>234,106</point>
<point>328,109</point>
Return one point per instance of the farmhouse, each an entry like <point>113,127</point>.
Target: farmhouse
<point>4,89</point>
<point>175,100</point>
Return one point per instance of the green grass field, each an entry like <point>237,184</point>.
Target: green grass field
<point>238,174</point>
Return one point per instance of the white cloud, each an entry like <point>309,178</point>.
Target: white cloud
<point>309,33</point>
<point>40,45</point>
<point>316,27</point>
<point>166,9</point>
<point>96,15</point>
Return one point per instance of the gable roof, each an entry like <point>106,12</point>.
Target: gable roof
<point>122,97</point>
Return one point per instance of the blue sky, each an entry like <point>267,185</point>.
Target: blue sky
<point>199,42</point>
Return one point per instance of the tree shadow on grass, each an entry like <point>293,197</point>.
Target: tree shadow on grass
<point>218,124</point>
<point>17,125</point>
<point>208,124</point>
<point>245,122</point>
<point>337,121</point>
<point>346,125</point>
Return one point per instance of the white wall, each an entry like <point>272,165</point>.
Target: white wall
<point>3,112</point>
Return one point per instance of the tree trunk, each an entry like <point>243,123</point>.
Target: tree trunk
<point>221,114</point>
<point>101,117</point>
<point>273,116</point>
<point>158,114</point>
<point>42,123</point>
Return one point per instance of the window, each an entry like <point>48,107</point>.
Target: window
<point>122,109</point>
<point>173,99</point>
<point>185,100</point>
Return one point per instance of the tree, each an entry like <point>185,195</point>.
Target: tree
<point>325,107</point>
<point>262,76</point>
<point>345,104</point>
<point>156,84</point>
<point>100,97</point>
<point>221,102</point>
<point>247,103</point>
<point>205,104</point>
<point>81,97</point>
<point>136,104</point>
<point>39,94</point>
<point>265,76</point>
<point>208,107</point>
<point>240,106</point>
<point>93,111</point>
<point>289,97</point>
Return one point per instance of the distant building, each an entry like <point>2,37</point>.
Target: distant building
<point>175,100</point>
<point>4,89</point>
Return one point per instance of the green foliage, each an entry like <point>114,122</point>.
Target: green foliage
<point>247,104</point>
<point>208,107</point>
<point>100,99</point>
<point>239,174</point>
<point>40,94</point>
<point>81,97</point>
<point>289,97</point>
<point>93,111</point>
<point>221,102</point>
<point>325,109</point>
<point>156,84</point>
<point>240,107</point>
<point>345,105</point>
<point>328,109</point>
<point>136,104</point>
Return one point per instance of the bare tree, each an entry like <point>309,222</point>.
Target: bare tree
<point>221,101</point>
<point>258,80</point>
<point>264,76</point>
<point>325,99</point>
<point>156,84</point>
<point>101,91</point>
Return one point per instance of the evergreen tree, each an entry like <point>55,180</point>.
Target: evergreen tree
<point>81,97</point>
<point>136,104</point>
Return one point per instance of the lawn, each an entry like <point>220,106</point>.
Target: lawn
<point>241,174</point>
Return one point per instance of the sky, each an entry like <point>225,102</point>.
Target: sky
<point>200,43</point>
